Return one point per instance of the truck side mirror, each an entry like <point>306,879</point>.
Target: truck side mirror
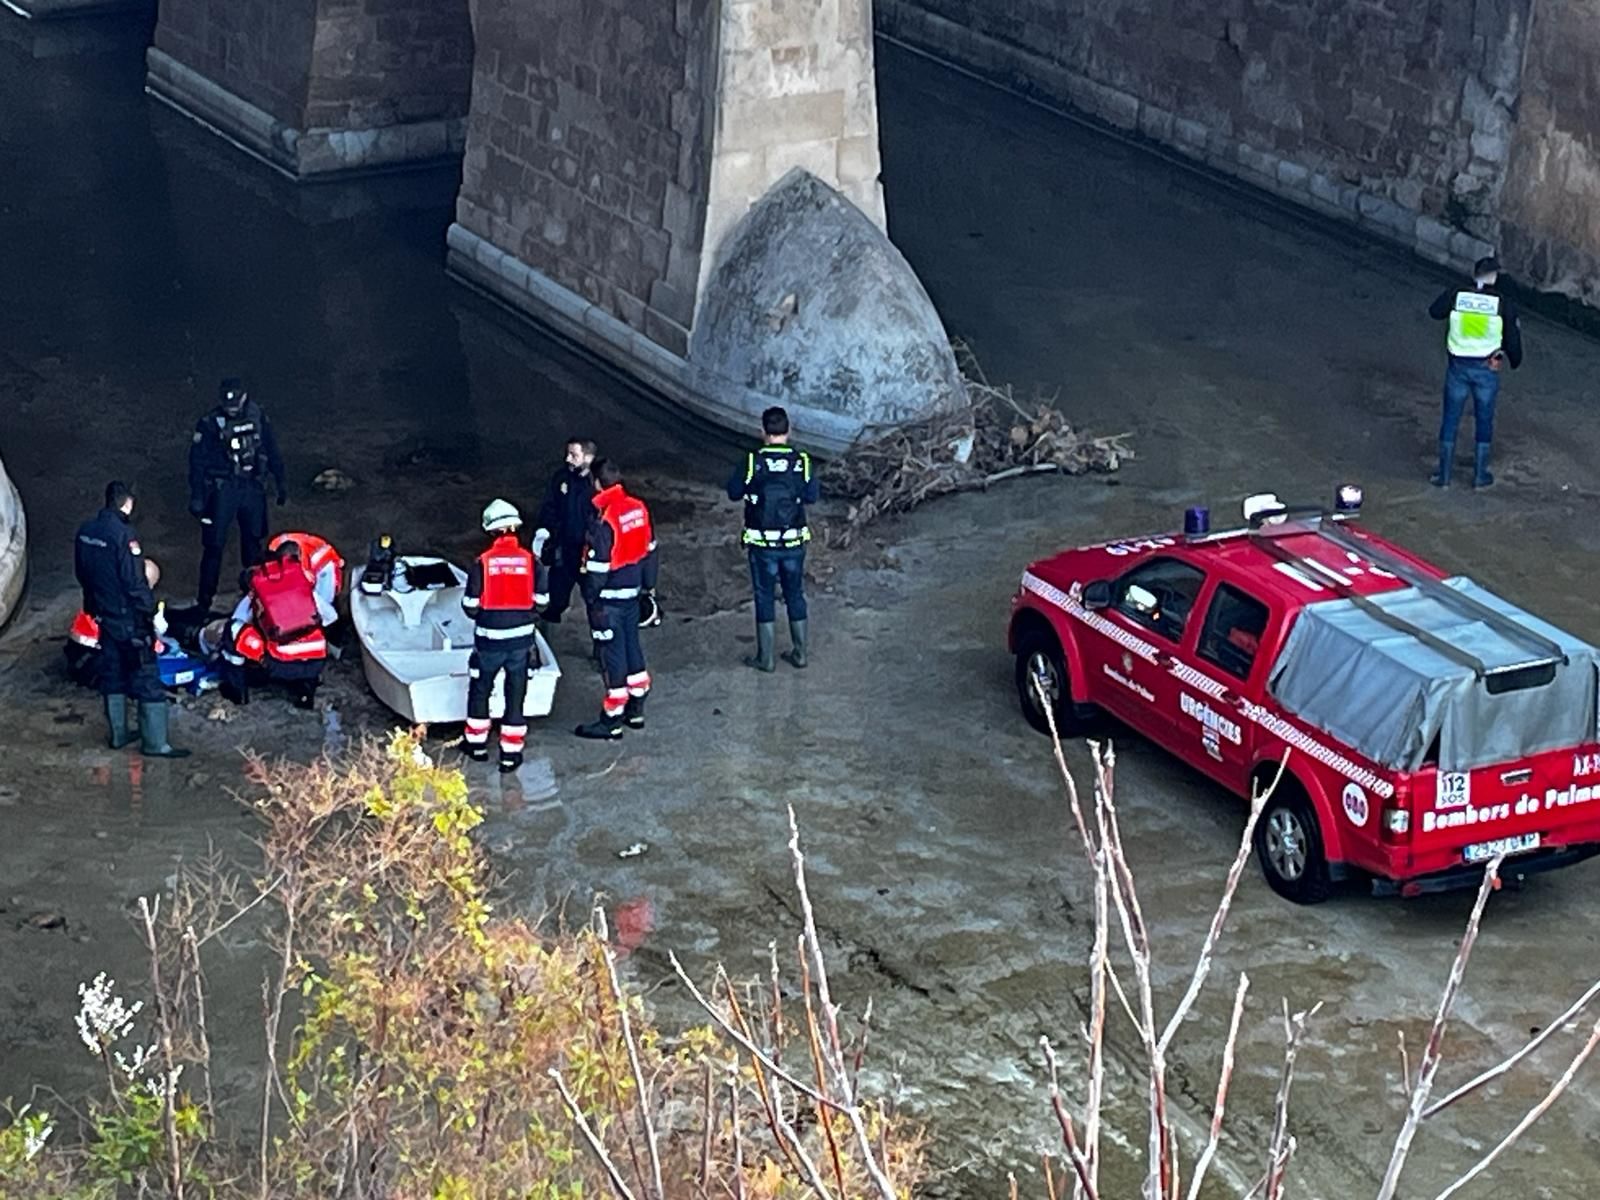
<point>1097,595</point>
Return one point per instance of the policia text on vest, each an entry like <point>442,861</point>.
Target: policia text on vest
<point>1482,334</point>
<point>776,482</point>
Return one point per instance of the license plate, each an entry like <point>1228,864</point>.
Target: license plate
<point>1484,851</point>
<point>183,677</point>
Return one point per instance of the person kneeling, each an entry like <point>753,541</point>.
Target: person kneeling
<point>275,632</point>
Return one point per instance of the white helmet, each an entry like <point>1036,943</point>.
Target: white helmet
<point>500,515</point>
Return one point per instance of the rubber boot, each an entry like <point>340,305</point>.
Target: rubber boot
<point>1480,465</point>
<point>634,713</point>
<point>1447,453</point>
<point>117,722</point>
<point>153,731</point>
<point>796,657</point>
<point>603,729</point>
<point>766,637</point>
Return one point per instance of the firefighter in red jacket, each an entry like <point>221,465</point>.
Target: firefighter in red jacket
<point>502,595</point>
<point>619,569</point>
<point>323,563</point>
<point>276,630</point>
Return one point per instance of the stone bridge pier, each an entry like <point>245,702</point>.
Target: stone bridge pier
<point>687,188</point>
<point>320,87</point>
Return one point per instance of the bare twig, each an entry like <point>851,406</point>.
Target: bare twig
<point>744,1043</point>
<point>1532,1115</point>
<point>830,1023</point>
<point>169,1076</point>
<point>1202,967</point>
<point>642,1087</point>
<point>1069,1139</point>
<point>1433,1051</point>
<point>615,1176</point>
<point>1224,1078</point>
<point>1495,1072</point>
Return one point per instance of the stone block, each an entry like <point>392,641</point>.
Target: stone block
<point>1465,248</point>
<point>770,121</point>
<point>630,309</point>
<point>1190,136</point>
<point>1156,123</point>
<point>680,217</point>
<point>821,158</point>
<point>1293,176</point>
<point>1385,213</point>
<point>1258,163</point>
<point>666,333</point>
<point>672,303</point>
<point>858,160</point>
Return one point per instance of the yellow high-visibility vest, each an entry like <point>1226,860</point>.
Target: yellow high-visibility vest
<point>1476,326</point>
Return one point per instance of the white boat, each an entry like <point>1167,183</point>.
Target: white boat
<point>415,643</point>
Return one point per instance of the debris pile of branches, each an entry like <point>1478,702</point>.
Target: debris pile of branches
<point>989,437</point>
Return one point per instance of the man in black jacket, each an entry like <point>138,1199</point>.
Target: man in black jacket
<point>232,453</point>
<point>563,520</point>
<point>776,483</point>
<point>109,564</point>
<point>1484,335</point>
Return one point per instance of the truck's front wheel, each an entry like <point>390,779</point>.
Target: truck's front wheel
<point>1289,847</point>
<point>1042,680</point>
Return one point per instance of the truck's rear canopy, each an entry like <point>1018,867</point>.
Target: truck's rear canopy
<point>1389,685</point>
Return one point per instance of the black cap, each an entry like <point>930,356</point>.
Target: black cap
<point>231,392</point>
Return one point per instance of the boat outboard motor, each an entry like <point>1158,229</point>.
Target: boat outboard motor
<point>379,572</point>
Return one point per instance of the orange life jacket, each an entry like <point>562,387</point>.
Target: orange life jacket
<point>508,576</point>
<point>629,521</point>
<point>285,605</point>
<point>315,554</point>
<point>251,645</point>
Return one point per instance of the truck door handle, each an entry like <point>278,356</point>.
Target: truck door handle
<point>1512,778</point>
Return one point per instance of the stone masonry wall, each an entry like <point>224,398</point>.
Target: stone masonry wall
<point>1550,219</point>
<point>795,88</point>
<point>320,86</point>
<point>389,62</point>
<point>1397,115</point>
<point>587,150</point>
<point>260,50</point>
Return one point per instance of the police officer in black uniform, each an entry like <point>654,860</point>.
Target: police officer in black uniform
<point>563,520</point>
<point>109,564</point>
<point>776,483</point>
<point>233,452</point>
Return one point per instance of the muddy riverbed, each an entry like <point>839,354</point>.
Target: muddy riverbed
<point>143,261</point>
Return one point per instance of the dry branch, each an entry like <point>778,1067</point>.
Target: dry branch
<point>987,437</point>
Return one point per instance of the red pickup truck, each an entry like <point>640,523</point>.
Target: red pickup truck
<point>1433,725</point>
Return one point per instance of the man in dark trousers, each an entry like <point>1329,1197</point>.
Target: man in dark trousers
<point>563,524</point>
<point>502,594</point>
<point>109,564</point>
<point>232,454</point>
<point>1483,336</point>
<point>776,483</point>
<point>619,570</point>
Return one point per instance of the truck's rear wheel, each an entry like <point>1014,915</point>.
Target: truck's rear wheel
<point>1041,667</point>
<point>1289,847</point>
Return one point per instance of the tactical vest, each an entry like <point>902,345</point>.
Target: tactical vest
<point>241,441</point>
<point>775,480</point>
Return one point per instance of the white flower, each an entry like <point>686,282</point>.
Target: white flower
<point>36,1130</point>
<point>103,1016</point>
<point>132,1068</point>
<point>164,1089</point>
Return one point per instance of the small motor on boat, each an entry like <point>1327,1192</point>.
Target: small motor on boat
<point>379,572</point>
